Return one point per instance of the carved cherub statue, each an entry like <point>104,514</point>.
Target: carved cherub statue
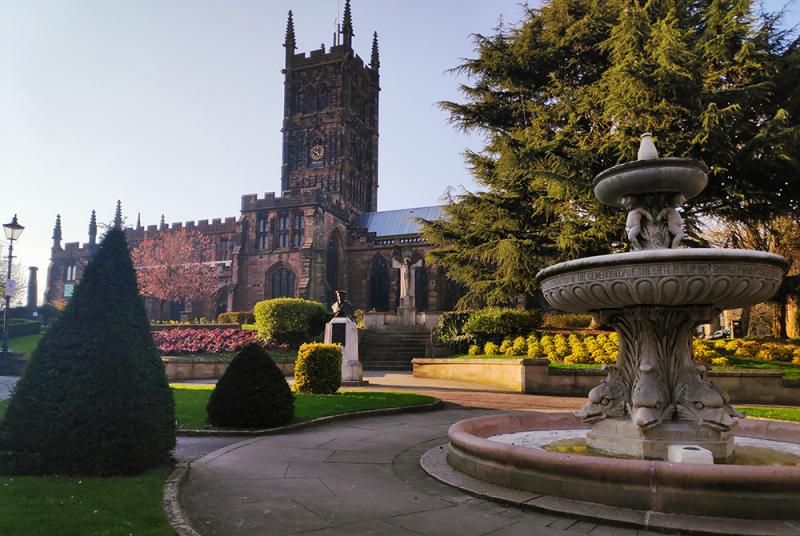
<point>674,219</point>
<point>633,225</point>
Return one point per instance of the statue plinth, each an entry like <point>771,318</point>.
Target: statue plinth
<point>406,315</point>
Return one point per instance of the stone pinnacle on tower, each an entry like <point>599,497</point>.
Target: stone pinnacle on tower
<point>289,42</point>
<point>118,216</point>
<point>93,229</point>
<point>347,25</point>
<point>375,61</point>
<point>163,223</point>
<point>57,232</point>
<point>138,220</point>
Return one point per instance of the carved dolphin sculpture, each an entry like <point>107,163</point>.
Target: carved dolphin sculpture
<point>606,400</point>
<point>650,403</point>
<point>699,401</point>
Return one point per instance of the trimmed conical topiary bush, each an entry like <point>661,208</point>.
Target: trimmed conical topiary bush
<point>252,393</point>
<point>94,399</point>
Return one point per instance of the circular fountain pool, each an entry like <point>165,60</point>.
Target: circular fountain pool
<point>722,490</point>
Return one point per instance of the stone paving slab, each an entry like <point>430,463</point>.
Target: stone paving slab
<point>354,478</point>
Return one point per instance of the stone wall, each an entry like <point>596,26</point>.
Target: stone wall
<point>537,377</point>
<point>196,370</point>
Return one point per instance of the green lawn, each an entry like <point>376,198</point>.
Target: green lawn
<point>190,403</point>
<point>79,506</point>
<point>25,344</point>
<point>782,414</point>
<point>191,400</point>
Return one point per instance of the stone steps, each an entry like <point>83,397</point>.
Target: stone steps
<point>391,349</point>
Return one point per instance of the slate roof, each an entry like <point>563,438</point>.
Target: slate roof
<point>398,222</point>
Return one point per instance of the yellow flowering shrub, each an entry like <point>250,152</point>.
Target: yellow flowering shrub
<point>519,346</point>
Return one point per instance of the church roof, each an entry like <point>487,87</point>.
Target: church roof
<point>398,222</point>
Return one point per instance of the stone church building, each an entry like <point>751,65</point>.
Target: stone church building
<point>323,232</point>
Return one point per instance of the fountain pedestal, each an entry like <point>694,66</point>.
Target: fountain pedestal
<point>623,437</point>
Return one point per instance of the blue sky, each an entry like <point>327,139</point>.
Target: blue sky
<point>175,106</point>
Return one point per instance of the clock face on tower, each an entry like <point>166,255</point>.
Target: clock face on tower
<point>317,152</point>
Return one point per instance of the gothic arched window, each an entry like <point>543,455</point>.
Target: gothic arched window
<point>378,298</point>
<point>282,283</point>
<point>421,288</point>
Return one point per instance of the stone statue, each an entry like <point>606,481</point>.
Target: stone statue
<point>673,219</point>
<point>342,307</point>
<point>633,225</point>
<point>407,278</point>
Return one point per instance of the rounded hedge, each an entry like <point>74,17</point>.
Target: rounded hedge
<point>318,368</point>
<point>290,320</point>
<point>252,393</point>
<point>94,399</point>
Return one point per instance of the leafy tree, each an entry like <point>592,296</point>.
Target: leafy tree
<point>176,266</point>
<point>566,94</point>
<point>94,399</point>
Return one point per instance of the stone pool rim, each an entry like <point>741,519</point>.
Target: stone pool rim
<point>727,491</point>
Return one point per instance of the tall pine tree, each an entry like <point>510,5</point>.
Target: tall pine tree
<point>566,94</point>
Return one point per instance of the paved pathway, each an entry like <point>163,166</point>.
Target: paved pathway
<point>469,395</point>
<point>359,477</point>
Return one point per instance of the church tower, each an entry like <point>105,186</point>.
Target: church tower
<point>330,120</point>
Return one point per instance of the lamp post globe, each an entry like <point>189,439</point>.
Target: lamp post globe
<point>12,230</point>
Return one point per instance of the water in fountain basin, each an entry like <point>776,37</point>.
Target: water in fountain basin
<point>748,451</point>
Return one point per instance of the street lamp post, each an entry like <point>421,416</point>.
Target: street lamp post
<point>12,230</point>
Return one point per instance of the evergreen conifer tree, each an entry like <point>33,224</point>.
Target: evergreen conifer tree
<point>94,399</point>
<point>566,94</point>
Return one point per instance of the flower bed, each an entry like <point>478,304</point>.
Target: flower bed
<point>203,341</point>
<point>592,350</point>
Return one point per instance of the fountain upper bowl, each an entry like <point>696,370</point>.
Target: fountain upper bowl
<point>661,175</point>
<point>724,278</point>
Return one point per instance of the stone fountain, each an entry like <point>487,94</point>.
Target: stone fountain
<point>654,296</point>
<point>655,397</point>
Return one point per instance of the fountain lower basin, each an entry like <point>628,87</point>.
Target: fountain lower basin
<point>727,491</point>
<point>724,278</point>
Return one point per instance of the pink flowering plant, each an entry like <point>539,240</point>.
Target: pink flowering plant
<point>206,341</point>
